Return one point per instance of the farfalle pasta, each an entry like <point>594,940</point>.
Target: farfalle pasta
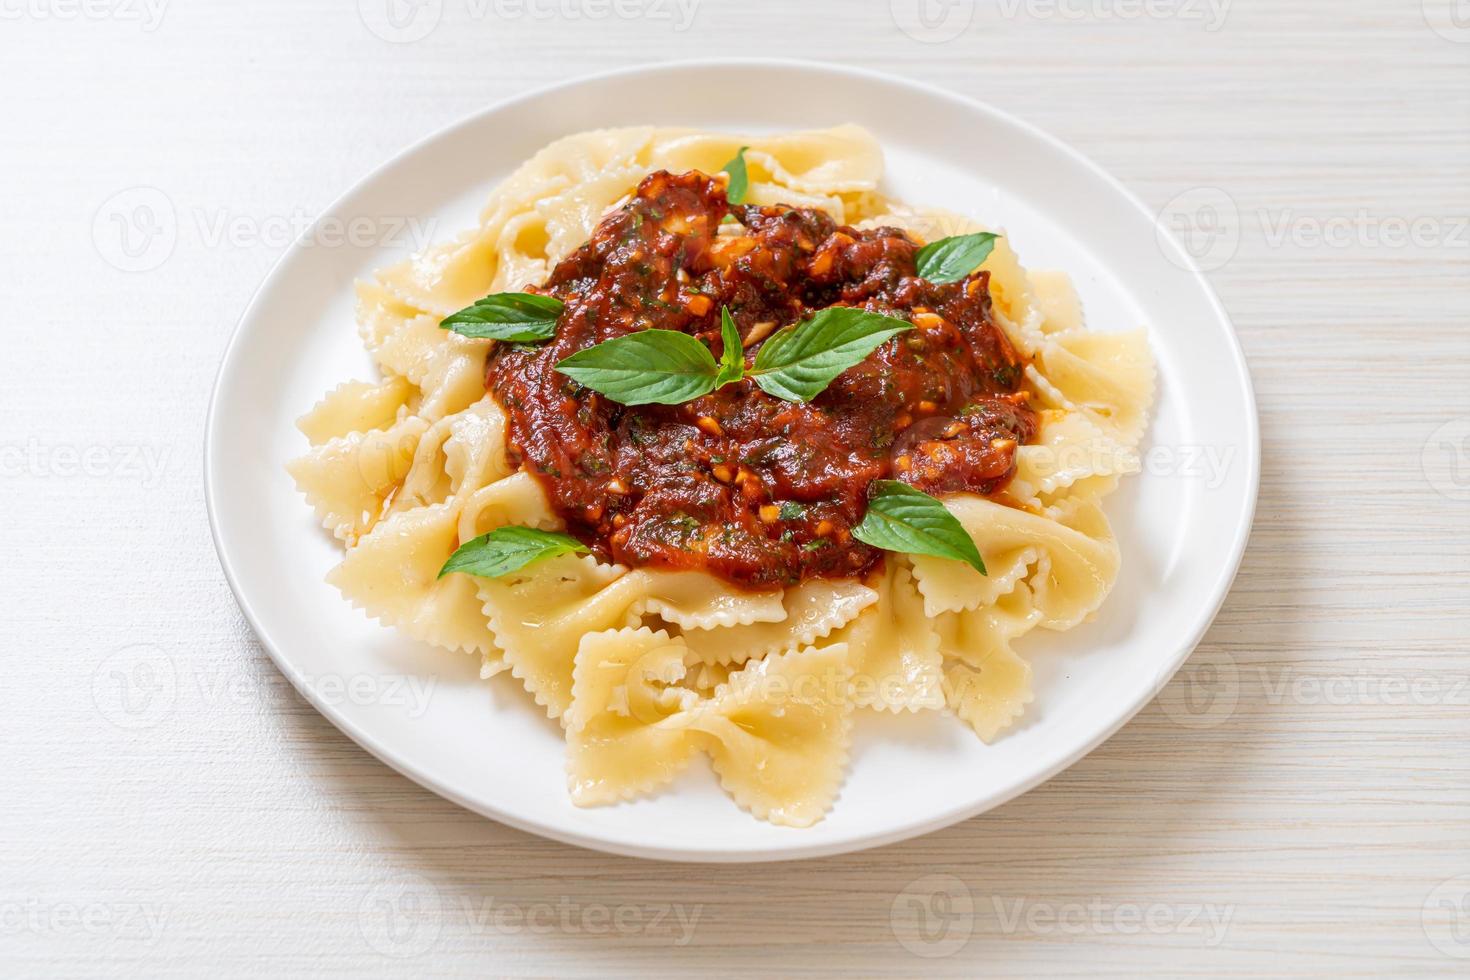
<point>761,451</point>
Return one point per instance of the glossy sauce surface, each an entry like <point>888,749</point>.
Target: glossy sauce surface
<point>756,490</point>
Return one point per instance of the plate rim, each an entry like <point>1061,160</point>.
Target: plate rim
<point>797,850</point>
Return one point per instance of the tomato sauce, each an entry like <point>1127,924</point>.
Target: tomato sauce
<point>758,491</point>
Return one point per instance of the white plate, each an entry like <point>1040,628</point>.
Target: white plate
<point>484,744</point>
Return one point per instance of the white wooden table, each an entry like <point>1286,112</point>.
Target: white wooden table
<point>1297,801</point>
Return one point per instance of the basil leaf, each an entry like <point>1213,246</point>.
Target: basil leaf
<point>506,549</point>
<point>507,316</point>
<point>739,178</point>
<point>798,362</point>
<point>900,518</point>
<point>952,259</point>
<point>732,358</point>
<point>662,367</point>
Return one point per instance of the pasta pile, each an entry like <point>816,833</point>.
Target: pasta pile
<point>647,668</point>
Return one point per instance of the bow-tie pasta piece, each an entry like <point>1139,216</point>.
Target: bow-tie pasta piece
<point>951,586</point>
<point>1077,572</point>
<point>706,677</point>
<point>1070,448</point>
<point>1109,376</point>
<point>985,683</point>
<point>1057,303</point>
<point>812,611</point>
<point>356,407</point>
<point>474,453</point>
<point>895,648</point>
<point>448,369</point>
<point>779,732</point>
<point>540,613</point>
<point>512,245</point>
<point>393,572</point>
<point>1079,552</point>
<point>380,314</point>
<point>582,157</point>
<point>457,483</point>
<point>349,480</point>
<point>844,159</point>
<point>456,456</point>
<point>568,219</point>
<point>625,727</point>
<point>517,500</point>
<point>699,601</point>
<point>393,576</point>
<point>356,480</point>
<point>444,278</point>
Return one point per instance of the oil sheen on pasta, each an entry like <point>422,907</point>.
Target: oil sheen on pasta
<point>756,490</point>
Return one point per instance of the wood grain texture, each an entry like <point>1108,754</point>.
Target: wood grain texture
<point>1297,801</point>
